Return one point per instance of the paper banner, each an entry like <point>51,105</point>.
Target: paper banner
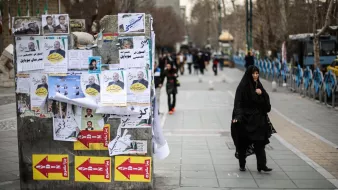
<point>93,139</point>
<point>50,167</point>
<point>132,168</point>
<point>92,169</point>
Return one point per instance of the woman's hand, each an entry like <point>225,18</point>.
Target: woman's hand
<point>258,91</point>
<point>234,121</point>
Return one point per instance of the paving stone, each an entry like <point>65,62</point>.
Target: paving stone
<point>166,173</point>
<point>197,167</point>
<point>233,175</point>
<point>197,182</point>
<point>297,168</point>
<point>198,174</point>
<point>273,183</point>
<point>250,183</point>
<point>269,175</point>
<point>165,166</point>
<point>313,184</point>
<point>305,175</point>
<point>167,181</point>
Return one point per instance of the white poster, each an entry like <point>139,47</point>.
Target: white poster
<point>123,145</point>
<point>134,51</point>
<point>38,91</point>
<point>139,111</point>
<point>113,83</point>
<point>23,84</point>
<point>131,22</point>
<point>29,53</point>
<point>138,86</point>
<point>134,121</point>
<point>65,126</point>
<point>78,59</point>
<point>55,50</point>
<point>90,85</point>
<point>55,24</point>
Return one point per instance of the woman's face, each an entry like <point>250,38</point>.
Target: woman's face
<point>255,75</point>
<point>94,63</point>
<point>168,66</point>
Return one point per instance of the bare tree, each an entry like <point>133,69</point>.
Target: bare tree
<point>321,31</point>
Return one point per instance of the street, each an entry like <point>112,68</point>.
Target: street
<point>303,154</point>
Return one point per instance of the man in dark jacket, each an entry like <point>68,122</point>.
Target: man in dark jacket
<point>140,79</point>
<point>92,84</point>
<point>57,49</point>
<point>116,81</point>
<point>249,60</point>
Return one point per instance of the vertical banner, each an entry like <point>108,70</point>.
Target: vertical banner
<point>132,168</point>
<point>29,53</point>
<point>55,50</point>
<point>114,90</point>
<point>138,86</point>
<point>38,91</point>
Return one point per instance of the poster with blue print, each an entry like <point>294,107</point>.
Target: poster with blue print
<point>131,22</point>
<point>69,86</point>
<point>94,65</point>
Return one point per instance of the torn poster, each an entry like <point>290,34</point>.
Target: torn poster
<point>38,91</point>
<point>55,50</point>
<point>114,90</point>
<point>132,121</point>
<point>65,126</point>
<point>138,86</point>
<point>91,121</point>
<point>29,53</point>
<point>131,22</point>
<point>78,59</point>
<point>138,111</point>
<point>122,144</point>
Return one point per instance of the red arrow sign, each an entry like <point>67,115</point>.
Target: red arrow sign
<point>127,168</point>
<point>87,169</point>
<point>86,137</point>
<point>46,167</point>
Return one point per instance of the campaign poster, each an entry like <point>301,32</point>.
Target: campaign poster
<point>131,23</point>
<point>55,24</point>
<point>114,88</point>
<point>38,91</point>
<point>134,121</point>
<point>55,55</point>
<point>69,86</point>
<point>91,121</point>
<point>94,64</point>
<point>138,86</point>
<point>90,85</point>
<point>27,26</point>
<point>78,59</point>
<point>134,52</point>
<point>29,53</point>
<point>65,126</point>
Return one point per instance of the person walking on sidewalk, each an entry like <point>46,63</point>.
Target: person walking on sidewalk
<point>171,86</point>
<point>180,62</point>
<point>250,120</point>
<point>189,61</point>
<point>249,60</point>
<point>200,62</point>
<point>157,82</point>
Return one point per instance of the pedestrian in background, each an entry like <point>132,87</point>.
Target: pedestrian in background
<point>249,60</point>
<point>215,63</point>
<point>180,62</point>
<point>157,82</point>
<point>171,86</point>
<point>201,62</point>
<point>189,61</point>
<point>250,120</point>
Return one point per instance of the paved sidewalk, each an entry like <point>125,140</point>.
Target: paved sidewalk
<point>202,152</point>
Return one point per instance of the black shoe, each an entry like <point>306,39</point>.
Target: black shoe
<point>264,169</point>
<point>242,169</point>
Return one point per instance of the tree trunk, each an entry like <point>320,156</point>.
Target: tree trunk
<point>316,35</point>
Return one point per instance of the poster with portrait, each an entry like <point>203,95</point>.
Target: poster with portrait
<point>91,121</point>
<point>29,53</point>
<point>90,85</point>
<point>134,51</point>
<point>77,25</point>
<point>27,26</point>
<point>138,86</point>
<point>55,55</point>
<point>131,23</point>
<point>23,102</point>
<point>69,86</point>
<point>38,91</point>
<point>114,88</point>
<point>55,24</point>
<point>65,124</point>
<point>94,64</point>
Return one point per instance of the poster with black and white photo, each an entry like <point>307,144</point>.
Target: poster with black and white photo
<point>134,51</point>
<point>138,86</point>
<point>27,26</point>
<point>131,22</point>
<point>55,24</point>
<point>29,53</point>
<point>134,121</point>
<point>65,126</point>
<point>114,91</point>
<point>38,91</point>
<point>55,50</point>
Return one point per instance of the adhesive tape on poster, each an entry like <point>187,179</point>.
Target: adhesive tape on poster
<point>114,89</point>
<point>55,57</point>
<point>92,92</point>
<point>138,87</point>
<point>42,92</point>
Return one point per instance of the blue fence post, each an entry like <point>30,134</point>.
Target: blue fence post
<point>317,83</point>
<point>298,78</point>
<point>307,81</point>
<point>330,84</point>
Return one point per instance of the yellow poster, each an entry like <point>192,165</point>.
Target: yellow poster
<point>132,168</point>
<point>50,167</point>
<point>93,140</point>
<point>92,169</point>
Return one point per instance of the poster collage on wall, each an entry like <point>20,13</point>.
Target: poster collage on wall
<point>81,93</point>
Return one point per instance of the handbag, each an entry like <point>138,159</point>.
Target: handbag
<point>271,129</point>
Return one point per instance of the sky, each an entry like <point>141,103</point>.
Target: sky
<point>190,4</point>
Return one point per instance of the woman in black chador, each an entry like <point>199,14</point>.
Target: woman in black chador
<point>250,120</point>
